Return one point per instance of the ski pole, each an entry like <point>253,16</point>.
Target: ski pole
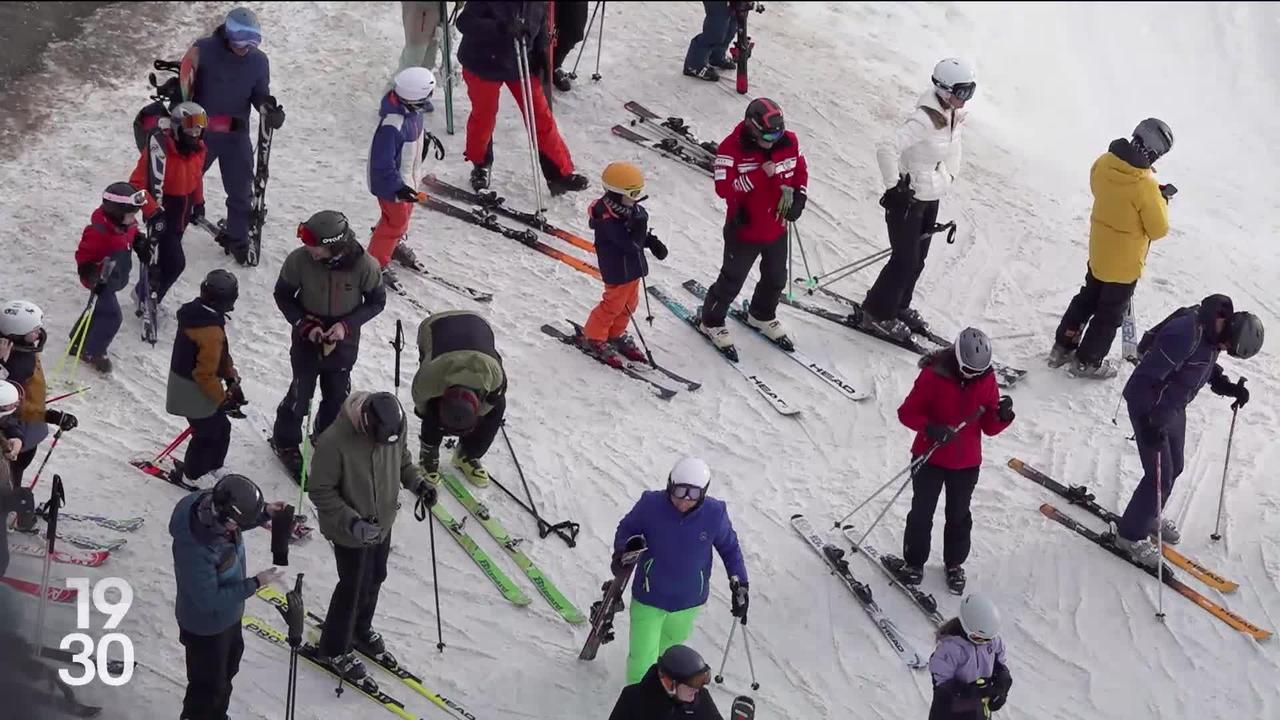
<point>804,257</point>
<point>1159,542</point>
<point>573,74</point>
<point>56,437</point>
<point>790,295</point>
<point>1222,492</point>
<point>853,267</point>
<point>746,642</point>
<point>293,616</point>
<point>648,309</point>
<point>725,658</point>
<point>78,335</point>
<point>530,122</point>
<point>57,498</point>
<point>398,346</point>
<point>350,630</point>
<point>64,396</point>
<point>306,455</point>
<point>648,353</point>
<point>173,445</point>
<point>566,530</point>
<point>595,77</point>
<point>911,468</point>
<point>1116,413</point>
<point>435,585</point>
<point>446,20</point>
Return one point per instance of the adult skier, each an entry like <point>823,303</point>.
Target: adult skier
<point>400,144</point>
<point>103,261</point>
<point>204,386</point>
<point>953,384</point>
<point>327,290</point>
<point>361,461</point>
<point>226,73</point>
<point>12,499</point>
<point>919,162</point>
<point>681,525</point>
<point>570,29</point>
<point>207,527</point>
<point>971,678</point>
<point>708,50</point>
<point>491,32</point>
<point>421,21</point>
<point>1180,355</point>
<point>460,389</point>
<point>762,176</point>
<point>622,234</point>
<point>1130,210</point>
<point>675,686</point>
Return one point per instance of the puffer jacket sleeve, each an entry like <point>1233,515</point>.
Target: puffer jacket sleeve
<point>955,153</point>
<point>384,172</point>
<point>726,543</point>
<point>889,151</point>
<point>914,411</point>
<point>210,343</point>
<point>633,523</point>
<point>1153,209</point>
<point>990,421</point>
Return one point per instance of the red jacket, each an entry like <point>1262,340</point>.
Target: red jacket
<point>751,194</point>
<point>183,174</point>
<point>940,395</point>
<point>100,240</point>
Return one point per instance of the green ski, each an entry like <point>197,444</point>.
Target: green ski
<point>549,591</point>
<point>508,588</point>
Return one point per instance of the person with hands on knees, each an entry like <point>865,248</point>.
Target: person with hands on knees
<point>1178,357</point>
<point>681,525</point>
<point>361,462</point>
<point>207,527</point>
<point>673,687</point>
<point>327,290</point>
<point>971,676</point>
<point>104,262</point>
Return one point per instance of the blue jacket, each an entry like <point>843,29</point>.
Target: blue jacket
<point>1181,360</point>
<point>209,569</point>
<point>674,572</point>
<point>488,51</point>
<point>223,83</point>
<point>399,132</point>
<point>620,242</point>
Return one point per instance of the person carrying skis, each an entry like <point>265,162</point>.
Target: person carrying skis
<point>104,261</point>
<point>622,232</point>
<point>680,525</point>
<point>674,686</point>
<point>954,385</point>
<point>971,678</point>
<point>919,162</point>
<point>570,29</point>
<point>361,461</point>
<point>709,50</point>
<point>421,21</point>
<point>1130,211</point>
<point>204,386</point>
<point>460,389</point>
<point>1180,356</point>
<point>400,144</point>
<point>207,527</point>
<point>226,73</point>
<point>327,290</point>
<point>762,176</point>
<point>490,34</point>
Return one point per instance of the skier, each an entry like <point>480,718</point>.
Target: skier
<point>762,175</point>
<point>421,22</point>
<point>622,232</point>
<point>919,163</point>
<point>953,384</point>
<point>680,524</point>
<point>359,462</point>
<point>1130,210</point>
<point>209,568</point>
<point>490,32</point>
<point>12,499</point>
<point>1180,357</point>
<point>400,144</point>
<point>178,153</point>
<point>104,261</point>
<point>460,389</point>
<point>970,677</point>
<point>327,290</point>
<point>226,73</point>
<point>708,50</point>
<point>200,366</point>
<point>675,686</point>
<point>570,29</point>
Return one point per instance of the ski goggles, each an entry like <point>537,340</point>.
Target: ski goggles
<point>962,91</point>
<point>977,639</point>
<point>971,373</point>
<point>136,199</point>
<point>194,124</point>
<point>242,36</point>
<point>687,492</point>
<point>416,105</point>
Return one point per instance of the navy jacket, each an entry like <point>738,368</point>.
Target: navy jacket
<point>620,242</point>
<point>209,569</point>
<point>488,51</point>
<point>223,83</point>
<point>399,132</point>
<point>1180,361</point>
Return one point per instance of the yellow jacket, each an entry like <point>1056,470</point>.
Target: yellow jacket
<point>1128,213</point>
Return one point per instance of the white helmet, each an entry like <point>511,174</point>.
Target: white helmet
<point>956,78</point>
<point>10,398</point>
<point>19,317</point>
<point>414,85</point>
<point>689,479</point>
<point>979,617</point>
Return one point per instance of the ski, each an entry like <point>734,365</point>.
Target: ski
<point>610,602</point>
<point>83,558</point>
<point>80,541</point>
<point>926,602</point>
<point>173,477</point>
<point>60,595</point>
<point>669,149</point>
<point>258,205</point>
<point>834,557</point>
<point>1080,496</point>
<point>673,128</point>
<point>651,365</point>
<point>490,200</point>
<point>1223,614</point>
<point>480,511</point>
<point>661,390</point>
<point>740,314</point>
<point>509,589</point>
<point>1129,335</point>
<point>742,44</point>
<point>117,524</point>
<point>401,292</point>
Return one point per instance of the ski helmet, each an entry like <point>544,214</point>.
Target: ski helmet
<point>414,87</point>
<point>238,499</point>
<point>121,201</point>
<point>10,397</point>
<point>190,118</point>
<point>955,78</point>
<point>684,665</point>
<point>1154,138</point>
<point>459,409</point>
<point>973,352</point>
<point>979,618</point>
<point>689,479</point>
<point>1244,335</point>
<point>327,228</point>
<point>242,28</point>
<point>19,317</point>
<point>220,290</point>
<point>764,118</point>
<point>623,178</point>
<point>382,418</point>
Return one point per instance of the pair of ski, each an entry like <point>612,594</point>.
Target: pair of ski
<point>673,138</point>
<point>83,542</point>
<point>633,370</point>
<point>420,268</point>
<point>82,558</point>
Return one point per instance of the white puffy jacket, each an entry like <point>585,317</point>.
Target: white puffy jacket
<point>927,146</point>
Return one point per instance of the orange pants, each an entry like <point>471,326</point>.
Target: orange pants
<point>609,319</point>
<point>484,116</point>
<point>392,226</point>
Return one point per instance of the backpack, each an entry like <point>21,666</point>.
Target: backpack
<point>1149,337</point>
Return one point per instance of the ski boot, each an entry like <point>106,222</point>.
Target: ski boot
<point>480,178</point>
<point>602,351</point>
<point>706,72</point>
<point>573,182</point>
<point>471,469</point>
<point>349,667</point>
<point>720,337</point>
<point>391,281</point>
<point>291,458</point>
<point>241,254</point>
<point>724,63</point>
<point>429,461</point>
<point>101,363</point>
<point>1142,552</point>
<point>906,574</point>
<point>405,255</point>
<point>369,643</point>
<point>955,580</point>
<point>913,320</point>
<point>1104,370</point>
<point>1060,355</point>
<point>891,328</point>
<point>625,345</point>
<point>1168,532</point>
<point>773,330</point>
<point>561,80</point>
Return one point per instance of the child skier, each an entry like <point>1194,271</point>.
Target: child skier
<point>970,677</point>
<point>103,262</point>
<point>622,234</point>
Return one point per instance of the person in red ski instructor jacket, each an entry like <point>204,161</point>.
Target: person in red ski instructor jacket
<point>956,386</point>
<point>762,175</point>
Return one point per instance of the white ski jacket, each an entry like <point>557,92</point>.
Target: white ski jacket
<point>926,146</point>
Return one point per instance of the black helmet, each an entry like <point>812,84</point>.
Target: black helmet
<point>684,665</point>
<point>1244,335</point>
<point>238,499</point>
<point>327,228</point>
<point>459,409</point>
<point>121,200</point>
<point>764,118</point>
<point>382,417</point>
<point>219,290</point>
<point>1154,138</point>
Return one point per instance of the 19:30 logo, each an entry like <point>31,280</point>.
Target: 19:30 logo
<point>91,656</point>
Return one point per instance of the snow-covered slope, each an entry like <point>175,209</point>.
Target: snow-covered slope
<point>1057,82</point>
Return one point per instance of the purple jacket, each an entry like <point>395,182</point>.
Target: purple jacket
<point>399,131</point>
<point>955,665</point>
<point>223,83</point>
<point>1180,361</point>
<point>957,658</point>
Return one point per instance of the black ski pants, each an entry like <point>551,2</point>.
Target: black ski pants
<point>927,484</point>
<point>474,444</point>
<point>1100,306</point>
<point>212,663</point>
<point>571,28</point>
<point>739,257</point>
<point>909,240</point>
<point>335,385</point>
<point>355,598</point>
<point>207,449</point>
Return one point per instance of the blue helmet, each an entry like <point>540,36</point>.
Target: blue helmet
<point>242,28</point>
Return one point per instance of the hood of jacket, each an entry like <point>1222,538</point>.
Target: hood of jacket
<point>1122,165</point>
<point>196,314</point>
<point>352,406</point>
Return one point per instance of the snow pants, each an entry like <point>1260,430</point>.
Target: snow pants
<point>212,663</point>
<point>719,25</point>
<point>474,444</point>
<point>361,572</point>
<point>421,49</point>
<point>392,225</point>
<point>308,369</point>
<point>207,449</point>
<point>1139,518</point>
<point>652,632</point>
<point>571,28</point>
<point>234,153</point>
<point>928,483</point>
<point>610,318</point>
<point>909,242</point>
<point>1100,306</point>
<point>739,257</point>
<point>553,154</point>
<point>170,258</point>
<point>104,323</point>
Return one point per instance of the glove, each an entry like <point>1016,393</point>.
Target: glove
<point>407,194</point>
<point>155,225</point>
<point>142,248</point>
<point>787,197</point>
<point>365,531</point>
<point>426,492</point>
<point>515,26</point>
<point>900,196</point>
<point>64,420</point>
<point>1004,410</point>
<point>311,330</point>
<point>939,432</point>
<point>272,113</point>
<point>797,206</point>
<point>740,598</point>
<point>234,398</point>
<point>1220,385</point>
<point>1168,191</point>
<point>1152,434</point>
<point>655,246</point>
<point>1241,394</point>
<point>197,213</point>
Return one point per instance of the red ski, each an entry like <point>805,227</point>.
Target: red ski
<point>83,558</point>
<point>55,594</point>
